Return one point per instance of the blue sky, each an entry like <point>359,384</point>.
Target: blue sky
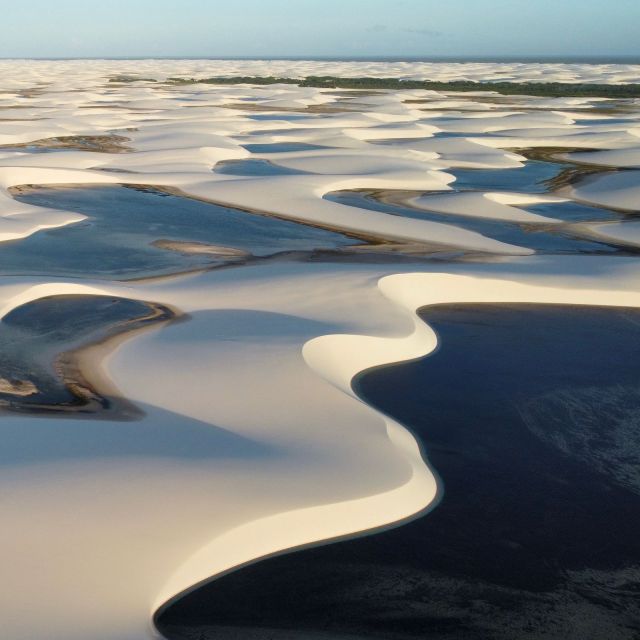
<point>348,28</point>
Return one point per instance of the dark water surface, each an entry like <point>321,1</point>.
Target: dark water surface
<point>34,376</point>
<point>115,240</point>
<point>531,416</point>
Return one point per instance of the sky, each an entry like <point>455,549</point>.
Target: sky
<point>312,28</point>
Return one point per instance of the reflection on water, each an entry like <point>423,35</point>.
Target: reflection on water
<point>123,222</point>
<point>571,211</point>
<point>254,167</point>
<point>530,178</point>
<point>537,526</point>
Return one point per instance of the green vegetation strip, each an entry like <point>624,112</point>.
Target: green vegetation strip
<point>548,89</point>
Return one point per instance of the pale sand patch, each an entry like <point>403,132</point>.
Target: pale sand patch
<point>18,387</point>
<point>201,248</point>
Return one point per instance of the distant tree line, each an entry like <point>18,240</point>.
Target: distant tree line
<point>549,89</point>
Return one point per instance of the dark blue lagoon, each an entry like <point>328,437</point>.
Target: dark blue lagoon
<point>531,416</point>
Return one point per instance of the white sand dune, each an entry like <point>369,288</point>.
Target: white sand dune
<point>253,440</point>
<point>619,190</point>
<point>494,206</point>
<point>625,233</point>
<point>627,158</point>
<point>207,480</point>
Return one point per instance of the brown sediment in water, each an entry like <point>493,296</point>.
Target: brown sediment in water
<point>575,171</point>
<point>407,248</point>
<point>402,254</point>
<point>573,175</point>
<point>112,170</point>
<point>550,154</point>
<point>365,238</point>
<point>17,387</point>
<point>81,370</point>
<point>396,196</point>
<point>582,179</point>
<point>201,248</point>
<point>584,230</point>
<point>367,247</point>
<point>175,191</point>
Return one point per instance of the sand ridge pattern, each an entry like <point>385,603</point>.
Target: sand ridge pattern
<point>250,438</point>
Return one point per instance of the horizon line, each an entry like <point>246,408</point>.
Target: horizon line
<point>586,59</point>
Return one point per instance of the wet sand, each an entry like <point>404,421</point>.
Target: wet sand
<point>52,351</point>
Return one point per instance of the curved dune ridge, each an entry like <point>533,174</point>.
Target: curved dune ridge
<point>249,439</point>
<point>222,517</point>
